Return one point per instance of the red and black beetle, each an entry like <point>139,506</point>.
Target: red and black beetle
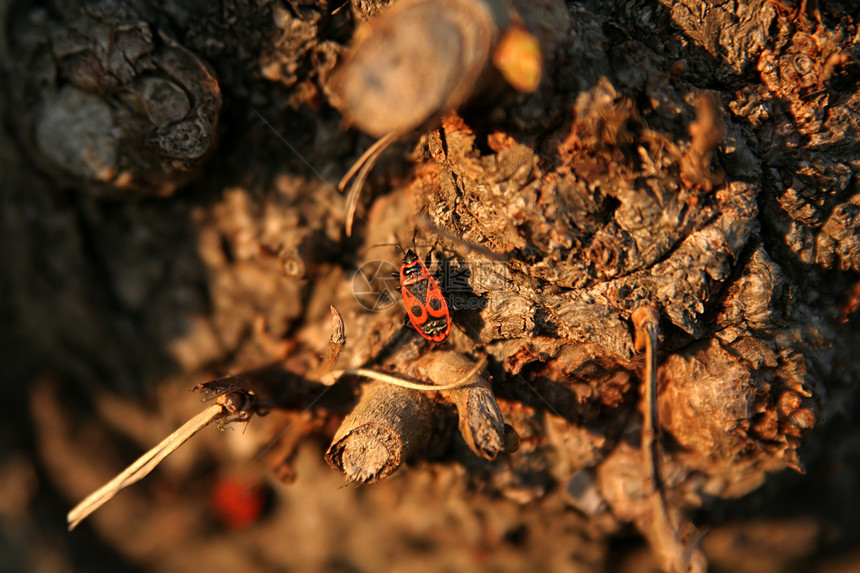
<point>425,303</point>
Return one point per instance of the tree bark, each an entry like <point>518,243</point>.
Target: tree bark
<point>170,216</point>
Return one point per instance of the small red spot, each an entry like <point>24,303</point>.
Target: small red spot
<point>237,503</point>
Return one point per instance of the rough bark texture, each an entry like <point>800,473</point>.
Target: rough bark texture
<point>169,217</point>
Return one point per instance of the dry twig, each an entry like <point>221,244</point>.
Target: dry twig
<point>468,379</point>
<point>336,342</point>
<point>660,525</point>
<point>481,422</point>
<point>231,404</point>
<point>388,426</point>
<point>358,174</point>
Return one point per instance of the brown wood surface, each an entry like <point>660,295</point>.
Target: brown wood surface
<point>170,217</point>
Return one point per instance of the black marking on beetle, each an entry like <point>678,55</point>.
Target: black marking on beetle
<point>419,289</point>
<point>435,325</point>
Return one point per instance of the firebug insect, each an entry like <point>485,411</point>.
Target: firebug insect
<point>425,304</point>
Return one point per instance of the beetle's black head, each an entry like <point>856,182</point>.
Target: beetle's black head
<point>410,257</point>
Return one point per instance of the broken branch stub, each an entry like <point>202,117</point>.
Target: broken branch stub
<point>480,420</point>
<point>421,58</point>
<point>418,60</point>
<point>388,426</point>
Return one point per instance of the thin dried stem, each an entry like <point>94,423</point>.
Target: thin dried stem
<point>664,529</point>
<point>336,342</point>
<point>359,172</point>
<point>466,380</point>
<point>646,320</point>
<point>145,464</point>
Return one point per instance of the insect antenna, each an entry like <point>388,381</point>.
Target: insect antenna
<point>386,245</point>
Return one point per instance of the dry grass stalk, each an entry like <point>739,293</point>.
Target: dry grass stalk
<point>232,404</point>
<point>661,527</point>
